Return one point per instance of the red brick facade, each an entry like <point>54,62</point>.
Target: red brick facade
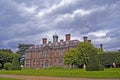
<point>49,54</point>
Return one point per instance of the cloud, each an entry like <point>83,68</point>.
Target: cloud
<point>25,21</point>
<point>100,33</point>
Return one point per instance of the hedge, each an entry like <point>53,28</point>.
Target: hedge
<point>94,62</point>
<point>95,68</point>
<point>108,58</point>
<point>8,66</point>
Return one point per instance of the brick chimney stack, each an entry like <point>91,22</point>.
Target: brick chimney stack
<point>61,40</point>
<point>44,41</point>
<point>67,37</point>
<point>85,38</point>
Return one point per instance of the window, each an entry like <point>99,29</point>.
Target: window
<point>54,61</point>
<point>42,61</point>
<point>54,53</point>
<point>37,54</point>
<point>33,60</point>
<point>46,53</point>
<point>42,53</point>
<point>60,52</point>
<point>27,55</point>
<point>38,62</point>
<point>60,61</point>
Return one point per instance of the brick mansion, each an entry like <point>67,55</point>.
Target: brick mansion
<point>50,54</point>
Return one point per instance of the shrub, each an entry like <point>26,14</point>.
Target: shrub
<point>16,63</point>
<point>94,62</point>
<point>108,58</point>
<point>8,66</point>
<point>0,65</point>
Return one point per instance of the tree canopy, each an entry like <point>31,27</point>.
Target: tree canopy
<point>108,58</point>
<point>7,56</point>
<point>80,55</point>
<point>22,48</point>
<point>70,57</point>
<point>83,51</point>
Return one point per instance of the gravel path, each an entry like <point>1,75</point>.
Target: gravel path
<point>45,78</point>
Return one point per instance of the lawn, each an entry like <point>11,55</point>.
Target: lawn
<point>81,73</point>
<point>8,79</point>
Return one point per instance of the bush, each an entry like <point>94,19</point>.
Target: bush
<point>0,65</point>
<point>8,66</point>
<point>95,68</point>
<point>94,62</point>
<point>16,63</point>
<point>108,58</point>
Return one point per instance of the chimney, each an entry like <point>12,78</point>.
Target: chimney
<point>49,42</point>
<point>89,41</point>
<point>44,41</point>
<point>101,47</point>
<point>67,37</point>
<point>61,40</point>
<point>85,38</point>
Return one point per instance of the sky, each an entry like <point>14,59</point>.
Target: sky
<point>28,21</point>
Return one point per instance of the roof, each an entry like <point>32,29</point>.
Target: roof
<point>54,45</point>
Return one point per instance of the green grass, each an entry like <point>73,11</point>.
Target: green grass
<point>8,79</point>
<point>107,73</point>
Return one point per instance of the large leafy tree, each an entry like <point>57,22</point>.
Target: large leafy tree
<point>80,55</point>
<point>88,55</point>
<point>108,58</point>
<point>70,57</point>
<point>22,48</point>
<point>6,55</point>
<point>6,50</point>
<point>21,51</point>
<point>83,51</point>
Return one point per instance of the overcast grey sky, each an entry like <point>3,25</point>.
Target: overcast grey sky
<point>28,21</point>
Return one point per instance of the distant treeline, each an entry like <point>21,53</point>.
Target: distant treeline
<point>109,58</point>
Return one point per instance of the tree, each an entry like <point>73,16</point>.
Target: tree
<point>6,55</point>
<point>70,58</point>
<point>94,62</point>
<point>108,58</point>
<point>80,55</point>
<point>83,51</point>
<point>16,62</point>
<point>22,48</point>
<point>117,58</point>
<point>100,51</point>
<point>6,50</point>
<point>21,51</point>
<point>0,65</point>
